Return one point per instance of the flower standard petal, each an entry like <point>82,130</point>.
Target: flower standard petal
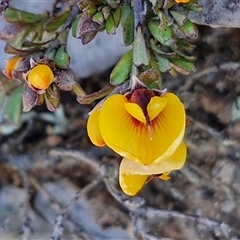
<point>120,130</point>
<point>93,127</point>
<point>142,143</point>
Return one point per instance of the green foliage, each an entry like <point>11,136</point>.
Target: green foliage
<point>122,69</point>
<point>56,22</point>
<point>127,21</point>
<point>163,35</point>
<point>62,58</point>
<point>110,25</point>
<point>140,55</point>
<point>15,15</point>
<point>157,35</point>
<point>14,108</point>
<point>10,100</point>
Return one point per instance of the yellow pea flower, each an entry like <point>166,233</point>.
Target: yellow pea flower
<point>40,77</point>
<point>11,65</point>
<point>144,128</point>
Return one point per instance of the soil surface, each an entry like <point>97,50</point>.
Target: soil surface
<point>55,183</point>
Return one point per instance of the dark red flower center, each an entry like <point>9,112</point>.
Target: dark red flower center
<point>142,97</point>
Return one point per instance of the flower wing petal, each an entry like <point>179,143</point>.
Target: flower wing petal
<point>93,127</point>
<point>136,111</point>
<point>142,143</point>
<point>155,106</point>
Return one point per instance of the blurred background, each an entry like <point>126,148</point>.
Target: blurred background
<point>55,183</point>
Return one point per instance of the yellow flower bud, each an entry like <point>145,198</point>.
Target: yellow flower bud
<point>40,76</point>
<point>11,65</point>
<point>146,130</point>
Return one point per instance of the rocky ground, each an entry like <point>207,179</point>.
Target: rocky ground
<point>55,183</point>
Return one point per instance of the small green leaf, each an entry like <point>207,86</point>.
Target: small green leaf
<point>126,9</point>
<point>75,25</point>
<point>16,15</point>
<point>189,29</point>
<point>164,36</point>
<point>56,22</point>
<point>14,108</point>
<point>110,25</point>
<point>163,64</point>
<point>140,55</point>
<point>117,16</point>
<point>62,58</point>
<point>128,27</point>
<point>98,17</point>
<point>122,69</point>
<point>91,9</point>
<point>179,18</point>
<point>182,65</point>
<point>63,37</point>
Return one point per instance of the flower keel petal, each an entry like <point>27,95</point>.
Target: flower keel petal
<point>131,184</point>
<point>174,162</point>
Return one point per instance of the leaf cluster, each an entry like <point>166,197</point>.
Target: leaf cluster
<point>156,32</point>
